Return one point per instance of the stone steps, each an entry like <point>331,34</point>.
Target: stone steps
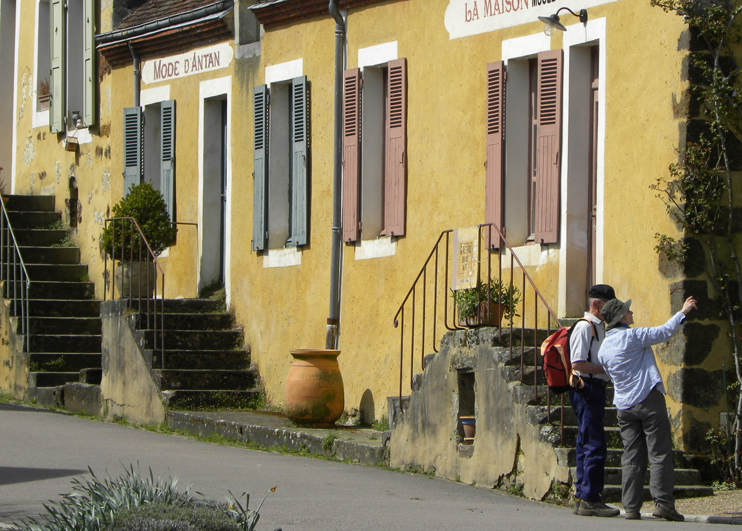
<point>203,359</point>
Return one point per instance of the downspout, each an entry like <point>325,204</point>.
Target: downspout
<point>137,75</point>
<point>333,321</point>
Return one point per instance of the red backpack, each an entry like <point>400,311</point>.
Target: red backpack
<point>557,364</point>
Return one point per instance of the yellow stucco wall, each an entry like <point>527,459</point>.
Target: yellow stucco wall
<point>286,308</point>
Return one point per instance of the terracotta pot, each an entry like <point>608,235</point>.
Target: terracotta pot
<point>470,427</point>
<point>483,318</point>
<point>127,278</point>
<point>314,388</point>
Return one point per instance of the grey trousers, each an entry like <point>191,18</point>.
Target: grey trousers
<point>645,430</point>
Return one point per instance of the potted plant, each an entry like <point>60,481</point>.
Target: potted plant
<point>43,94</point>
<point>487,303</point>
<point>120,240</point>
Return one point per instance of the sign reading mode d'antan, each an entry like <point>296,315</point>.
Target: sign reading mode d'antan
<point>187,64</point>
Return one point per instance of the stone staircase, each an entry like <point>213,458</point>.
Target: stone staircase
<point>483,346</point>
<point>688,480</point>
<point>205,364</point>
<point>64,317</point>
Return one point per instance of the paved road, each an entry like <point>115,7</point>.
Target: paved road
<point>40,451</point>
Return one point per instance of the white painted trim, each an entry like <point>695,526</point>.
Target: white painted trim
<point>15,93</point>
<point>210,89</point>
<point>378,248</point>
<point>290,256</point>
<point>154,95</point>
<point>525,46</point>
<point>284,71</point>
<point>578,34</point>
<point>530,255</point>
<point>377,55</point>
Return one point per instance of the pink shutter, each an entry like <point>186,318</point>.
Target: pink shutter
<point>493,184</point>
<point>351,152</point>
<point>395,156</point>
<point>548,147</point>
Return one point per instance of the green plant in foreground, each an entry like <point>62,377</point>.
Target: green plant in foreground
<point>132,502</point>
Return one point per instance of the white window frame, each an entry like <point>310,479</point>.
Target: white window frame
<point>288,256</point>
<point>40,118</point>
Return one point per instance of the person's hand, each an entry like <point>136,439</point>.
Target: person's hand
<point>688,305</point>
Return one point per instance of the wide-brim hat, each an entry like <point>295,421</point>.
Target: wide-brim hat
<point>613,310</point>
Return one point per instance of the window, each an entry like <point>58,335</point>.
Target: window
<point>72,65</point>
<point>156,163</point>
<point>281,165</point>
<point>524,174</point>
<point>374,151</point>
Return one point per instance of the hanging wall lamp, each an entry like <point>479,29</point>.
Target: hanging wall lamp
<point>553,24</point>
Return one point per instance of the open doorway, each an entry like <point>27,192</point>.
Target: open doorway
<point>7,89</point>
<point>214,200</point>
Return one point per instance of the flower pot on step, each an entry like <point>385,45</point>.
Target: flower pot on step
<point>314,388</point>
<point>470,428</point>
<point>483,317</point>
<point>133,280</point>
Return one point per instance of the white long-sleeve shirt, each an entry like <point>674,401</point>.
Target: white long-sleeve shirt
<point>628,358</point>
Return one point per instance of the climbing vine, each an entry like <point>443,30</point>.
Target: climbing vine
<point>699,191</point>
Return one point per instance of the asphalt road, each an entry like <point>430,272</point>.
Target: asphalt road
<point>41,451</point>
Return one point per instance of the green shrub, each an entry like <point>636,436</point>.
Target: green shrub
<point>132,502</point>
<point>147,206</point>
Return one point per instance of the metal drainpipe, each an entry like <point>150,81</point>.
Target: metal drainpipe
<point>333,321</point>
<point>137,75</point>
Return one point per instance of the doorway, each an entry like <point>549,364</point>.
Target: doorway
<point>592,206</point>
<point>214,200</point>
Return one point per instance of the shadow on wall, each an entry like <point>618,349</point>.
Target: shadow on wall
<point>367,408</point>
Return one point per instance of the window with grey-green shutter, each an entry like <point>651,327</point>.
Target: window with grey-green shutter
<point>167,161</point>
<point>260,168</point>
<point>133,141</point>
<point>299,222</point>
<point>57,72</point>
<point>89,63</point>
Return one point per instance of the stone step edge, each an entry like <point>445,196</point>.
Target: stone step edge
<point>293,439</point>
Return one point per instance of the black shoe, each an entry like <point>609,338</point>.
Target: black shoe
<point>631,515</point>
<point>597,508</point>
<point>576,510</point>
<point>668,513</point>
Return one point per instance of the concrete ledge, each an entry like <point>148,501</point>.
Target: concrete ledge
<point>83,398</point>
<point>346,443</point>
<point>46,396</point>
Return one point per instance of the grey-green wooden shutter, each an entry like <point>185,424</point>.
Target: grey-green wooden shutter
<point>549,145</point>
<point>89,82</point>
<point>260,168</point>
<point>167,162</point>
<point>57,70</point>
<point>299,222</point>
<point>132,147</point>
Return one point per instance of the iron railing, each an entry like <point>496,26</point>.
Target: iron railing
<point>14,275</point>
<point>428,306</point>
<point>137,281</point>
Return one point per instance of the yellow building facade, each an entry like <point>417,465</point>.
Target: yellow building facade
<point>584,214</point>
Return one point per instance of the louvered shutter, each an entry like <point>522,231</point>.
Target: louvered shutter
<point>132,147</point>
<point>548,147</point>
<point>89,71</point>
<point>167,162</point>
<point>57,45</point>
<point>260,168</point>
<point>395,154</point>
<point>351,155</point>
<point>299,221</point>
<point>493,180</point>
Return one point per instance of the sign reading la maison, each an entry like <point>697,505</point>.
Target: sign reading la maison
<point>187,64</point>
<point>472,17</point>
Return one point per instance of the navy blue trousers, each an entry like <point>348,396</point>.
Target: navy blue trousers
<point>589,406</point>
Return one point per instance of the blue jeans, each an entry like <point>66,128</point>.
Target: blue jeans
<point>589,406</point>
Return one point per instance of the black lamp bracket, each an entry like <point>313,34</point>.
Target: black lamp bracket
<point>582,14</point>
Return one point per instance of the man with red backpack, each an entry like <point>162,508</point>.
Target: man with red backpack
<point>588,403</point>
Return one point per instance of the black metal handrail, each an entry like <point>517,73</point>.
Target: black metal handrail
<point>430,305</point>
<point>146,289</point>
<point>15,273</point>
